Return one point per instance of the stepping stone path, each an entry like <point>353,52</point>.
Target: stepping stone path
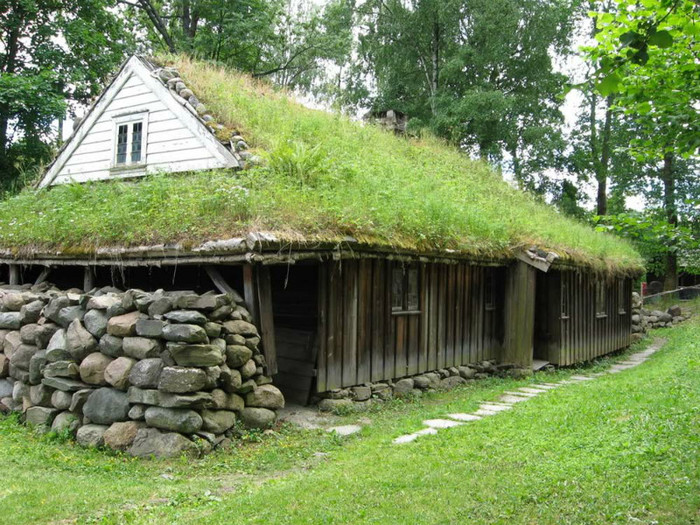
<point>508,400</point>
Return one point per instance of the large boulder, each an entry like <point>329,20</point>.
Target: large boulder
<point>265,396</point>
<point>117,372</point>
<point>111,345</point>
<point>120,436</point>
<point>79,342</point>
<point>10,320</point>
<point>65,421</point>
<point>64,384</point>
<point>249,369</point>
<point>240,327</point>
<point>217,421</point>
<point>237,355</point>
<point>181,380</point>
<point>40,416</point>
<point>186,317</point>
<point>258,417</point>
<point>146,373</point>
<point>181,420</point>
<point>36,367</point>
<point>61,400</point>
<point>150,442</point>
<point>185,333</point>
<point>91,435</point>
<point>95,322</point>
<point>92,368</point>
<point>31,312</point>
<point>196,354</point>
<point>149,328</point>
<point>124,325</point>
<point>69,314</point>
<point>62,369</point>
<point>141,347</point>
<point>23,355</point>
<point>106,406</point>
<point>205,302</point>
<point>57,349</point>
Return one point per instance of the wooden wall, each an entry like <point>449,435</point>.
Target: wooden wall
<point>361,339</point>
<point>570,329</point>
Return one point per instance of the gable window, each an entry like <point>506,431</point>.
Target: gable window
<point>129,144</point>
<point>601,300</point>
<point>621,297</point>
<point>405,290</point>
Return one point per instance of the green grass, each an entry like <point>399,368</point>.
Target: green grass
<point>621,449</point>
<point>324,177</point>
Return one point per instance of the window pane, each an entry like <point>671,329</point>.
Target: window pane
<point>121,143</point>
<point>564,299</point>
<point>397,289</point>
<point>136,141</point>
<point>412,298</point>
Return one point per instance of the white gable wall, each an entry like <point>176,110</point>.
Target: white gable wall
<point>171,144</point>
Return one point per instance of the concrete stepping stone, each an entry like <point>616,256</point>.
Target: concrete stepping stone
<point>345,430</point>
<point>484,412</point>
<point>441,423</point>
<point>512,399</point>
<point>495,408</point>
<point>522,394</point>
<point>547,386</point>
<point>529,390</point>
<point>464,417</point>
<point>581,378</point>
<point>407,438</point>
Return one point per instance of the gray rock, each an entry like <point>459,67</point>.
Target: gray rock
<point>36,367</point>
<point>4,365</point>
<point>62,369</point>
<point>198,302</point>
<point>237,356</point>
<point>40,395</point>
<point>64,384</point>
<point>124,325</point>
<point>519,373</point>
<point>79,399</point>
<point>95,322</point>
<point>61,400</point>
<point>248,370</point>
<point>186,316</point>
<point>69,314</point>
<point>674,311</point>
<point>146,373</point>
<point>23,355</point>
<point>150,442</point>
<point>92,368</point>
<point>176,419</point>
<point>19,374</point>
<point>117,372</point>
<point>12,343</point>
<point>54,306</point>
<point>65,421</point>
<point>213,330</point>
<point>141,347</point>
<point>57,349</point>
<point>143,396</point>
<point>196,355</point>
<point>217,421</point>
<point>10,320</point>
<point>106,406</point>
<point>79,342</point>
<point>213,374</point>
<point>103,302</point>
<point>467,372</point>
<point>243,328</point>
<point>5,388</point>
<point>259,417</point>
<point>247,386</point>
<point>28,333</point>
<point>360,393</point>
<point>20,391</point>
<point>265,396</point>
<point>120,436</point>
<point>13,300</point>
<point>30,313</point>
<point>137,412</point>
<point>195,400</point>
<point>160,306</point>
<point>111,345</point>
<point>91,435</point>
<point>448,383</point>
<point>185,333</point>
<point>180,380</point>
<point>403,386</point>
<point>222,313</point>
<point>40,416</point>
<point>149,328</point>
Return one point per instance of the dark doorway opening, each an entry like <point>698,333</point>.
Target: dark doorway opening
<point>295,313</point>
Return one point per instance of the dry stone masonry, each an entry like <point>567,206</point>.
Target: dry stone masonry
<point>146,373</point>
<point>644,319</point>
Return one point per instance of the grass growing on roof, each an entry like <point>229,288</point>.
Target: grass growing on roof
<point>324,177</point>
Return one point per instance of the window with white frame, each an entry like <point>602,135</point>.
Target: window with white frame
<point>130,132</point>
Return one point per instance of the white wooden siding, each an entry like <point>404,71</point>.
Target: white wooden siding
<point>173,143</point>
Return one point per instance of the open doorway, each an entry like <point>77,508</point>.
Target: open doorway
<point>295,313</point>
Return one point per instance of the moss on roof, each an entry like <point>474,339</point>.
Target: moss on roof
<point>323,177</point>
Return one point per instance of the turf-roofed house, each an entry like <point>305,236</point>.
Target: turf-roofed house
<point>363,257</point>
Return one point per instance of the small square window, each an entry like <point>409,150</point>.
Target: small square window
<point>405,290</point>
<point>129,140</point>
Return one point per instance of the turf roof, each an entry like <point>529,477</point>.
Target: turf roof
<point>323,177</point>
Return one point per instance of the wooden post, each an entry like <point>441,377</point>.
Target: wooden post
<point>266,321</point>
<point>88,279</point>
<point>519,315</point>
<point>43,275</point>
<point>14,274</point>
<point>250,291</point>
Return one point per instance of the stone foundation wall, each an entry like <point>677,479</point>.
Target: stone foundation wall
<point>147,373</point>
<point>362,396</point>
<point>644,319</point>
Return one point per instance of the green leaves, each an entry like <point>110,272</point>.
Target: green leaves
<point>661,39</point>
<point>609,84</point>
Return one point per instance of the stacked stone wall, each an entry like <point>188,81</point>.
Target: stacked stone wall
<point>644,318</point>
<point>148,373</point>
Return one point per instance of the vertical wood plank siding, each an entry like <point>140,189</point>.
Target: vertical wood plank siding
<point>583,333</point>
<point>362,340</point>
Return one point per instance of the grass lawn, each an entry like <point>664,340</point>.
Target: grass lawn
<point>624,448</point>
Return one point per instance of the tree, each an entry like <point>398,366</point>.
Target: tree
<point>53,51</point>
<point>647,55</point>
